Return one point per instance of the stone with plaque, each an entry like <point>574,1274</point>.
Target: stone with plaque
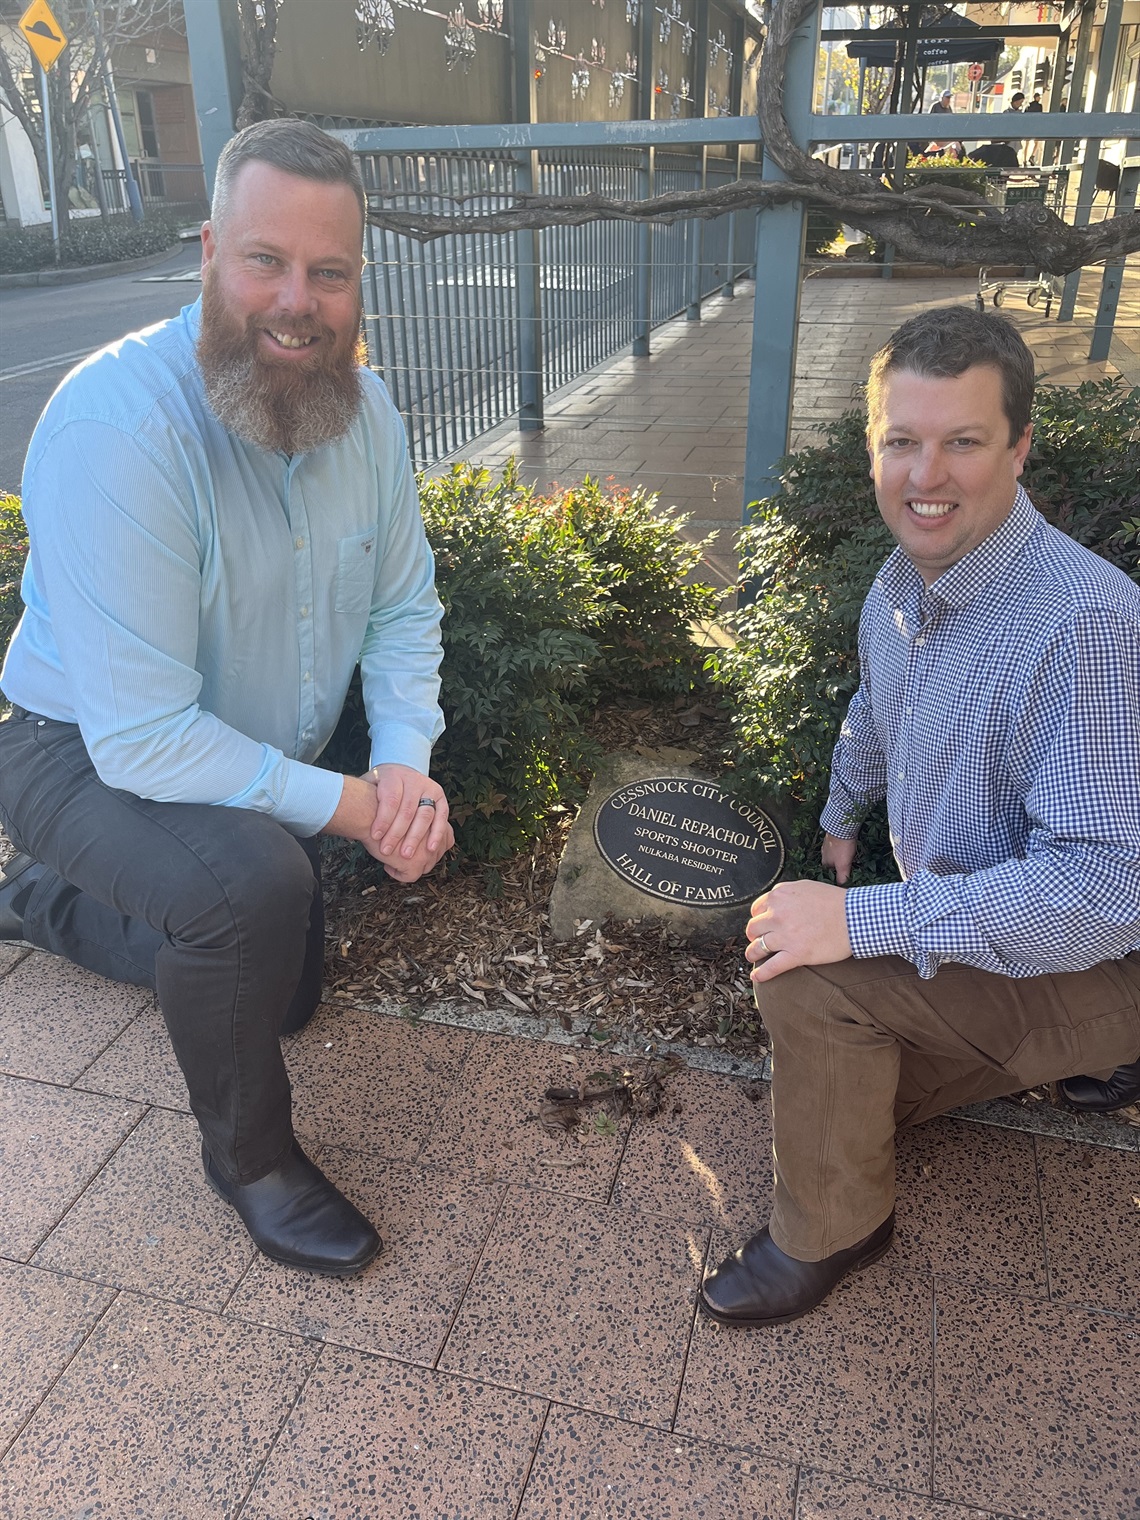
<point>657,839</point>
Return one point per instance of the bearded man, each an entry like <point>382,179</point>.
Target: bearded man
<point>223,521</point>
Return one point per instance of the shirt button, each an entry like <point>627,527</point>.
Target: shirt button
<point>901,774</point>
<point>307,676</point>
<point>921,639</point>
<point>298,543</point>
<point>910,709</point>
<point>304,612</point>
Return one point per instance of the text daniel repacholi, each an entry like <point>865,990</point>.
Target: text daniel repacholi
<point>700,842</point>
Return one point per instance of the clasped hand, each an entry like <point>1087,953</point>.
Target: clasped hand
<point>383,810</point>
<point>802,923</point>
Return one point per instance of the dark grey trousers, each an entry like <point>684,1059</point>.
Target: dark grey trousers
<point>216,908</point>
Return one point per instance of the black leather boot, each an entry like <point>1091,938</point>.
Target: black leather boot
<point>761,1285</point>
<point>20,876</point>
<point>1088,1095</point>
<point>295,1216</point>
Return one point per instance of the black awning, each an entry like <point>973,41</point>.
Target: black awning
<point>953,47</point>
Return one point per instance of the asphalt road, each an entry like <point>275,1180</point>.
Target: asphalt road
<point>45,330</point>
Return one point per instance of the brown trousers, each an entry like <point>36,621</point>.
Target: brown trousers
<point>862,1047</point>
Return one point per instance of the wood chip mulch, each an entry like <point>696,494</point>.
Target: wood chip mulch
<point>481,934</point>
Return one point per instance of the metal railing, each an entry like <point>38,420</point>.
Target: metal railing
<point>176,187</point>
<point>448,322</point>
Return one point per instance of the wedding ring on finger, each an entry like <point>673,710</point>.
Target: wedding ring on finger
<point>426,802</point>
<point>763,943</point>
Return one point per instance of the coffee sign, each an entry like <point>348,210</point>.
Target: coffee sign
<point>687,841</point>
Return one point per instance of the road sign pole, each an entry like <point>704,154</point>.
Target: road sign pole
<point>50,162</point>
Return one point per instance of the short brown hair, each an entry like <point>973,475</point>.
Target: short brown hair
<point>948,341</point>
<point>296,147</point>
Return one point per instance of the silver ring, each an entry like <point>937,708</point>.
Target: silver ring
<point>426,802</point>
<point>763,943</point>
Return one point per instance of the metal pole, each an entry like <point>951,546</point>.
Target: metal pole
<point>113,105</point>
<point>643,275</point>
<point>51,185</point>
<point>1106,59</point>
<point>775,320</point>
<point>1114,269</point>
<point>214,41</point>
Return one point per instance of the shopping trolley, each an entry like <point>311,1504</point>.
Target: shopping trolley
<point>1009,187</point>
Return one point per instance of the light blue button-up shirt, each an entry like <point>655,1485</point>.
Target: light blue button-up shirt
<point>999,714</point>
<point>197,605</point>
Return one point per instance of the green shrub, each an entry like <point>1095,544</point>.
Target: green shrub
<point>944,169</point>
<point>811,555</point>
<point>642,569</point>
<point>13,552</point>
<point>90,240</point>
<point>550,602</point>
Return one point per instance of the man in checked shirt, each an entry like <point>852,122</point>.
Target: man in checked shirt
<point>999,715</point>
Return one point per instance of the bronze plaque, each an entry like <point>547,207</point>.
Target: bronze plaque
<point>689,842</point>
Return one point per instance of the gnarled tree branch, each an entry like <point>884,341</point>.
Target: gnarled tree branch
<point>926,223</point>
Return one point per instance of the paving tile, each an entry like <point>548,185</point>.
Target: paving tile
<point>365,1077</point>
<point>967,1202</point>
<point>55,1018</point>
<point>11,955</point>
<point>584,1304</point>
<point>707,1157</point>
<point>140,1064</point>
<point>825,1497</point>
<point>149,1221</point>
<point>52,1142</point>
<point>589,1466</point>
<point>45,1320</point>
<point>492,1130</point>
<point>1036,1408</point>
<point>847,1387</point>
<point>1092,1224</point>
<point>433,1225</point>
<point>373,1440</point>
<point>165,1412</point>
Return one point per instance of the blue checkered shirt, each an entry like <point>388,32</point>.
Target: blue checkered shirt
<point>999,714</point>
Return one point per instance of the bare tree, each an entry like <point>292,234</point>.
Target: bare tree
<point>75,81</point>
<point>258,50</point>
<point>931,224</point>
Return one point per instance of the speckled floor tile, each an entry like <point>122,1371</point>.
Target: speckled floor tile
<point>361,1076</point>
<point>824,1497</point>
<point>45,1319</point>
<point>1036,1407</point>
<point>55,1018</point>
<point>581,1303</point>
<point>433,1227</point>
<point>52,1142</point>
<point>967,1203</point>
<point>706,1157</point>
<point>491,1127</point>
<point>847,1387</point>
<point>373,1440</point>
<point>1092,1224</point>
<point>140,1064</point>
<point>606,1470</point>
<point>149,1221</point>
<point>10,956</point>
<point>165,1412</point>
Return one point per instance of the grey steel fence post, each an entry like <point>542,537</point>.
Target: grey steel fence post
<point>775,321</point>
<point>1109,39</point>
<point>643,279</point>
<point>1114,269</point>
<point>529,265</point>
<point>213,38</point>
<point>701,108</point>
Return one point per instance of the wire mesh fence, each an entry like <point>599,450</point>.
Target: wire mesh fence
<point>445,320</point>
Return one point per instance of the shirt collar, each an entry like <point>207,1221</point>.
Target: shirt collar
<point>974,571</point>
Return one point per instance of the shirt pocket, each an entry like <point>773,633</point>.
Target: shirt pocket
<point>355,572</point>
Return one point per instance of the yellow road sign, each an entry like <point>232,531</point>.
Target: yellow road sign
<point>43,32</point>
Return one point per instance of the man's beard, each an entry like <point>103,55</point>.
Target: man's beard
<point>289,407</point>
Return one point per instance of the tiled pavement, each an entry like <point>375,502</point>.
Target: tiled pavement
<point>673,421</point>
<point>526,1346</point>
